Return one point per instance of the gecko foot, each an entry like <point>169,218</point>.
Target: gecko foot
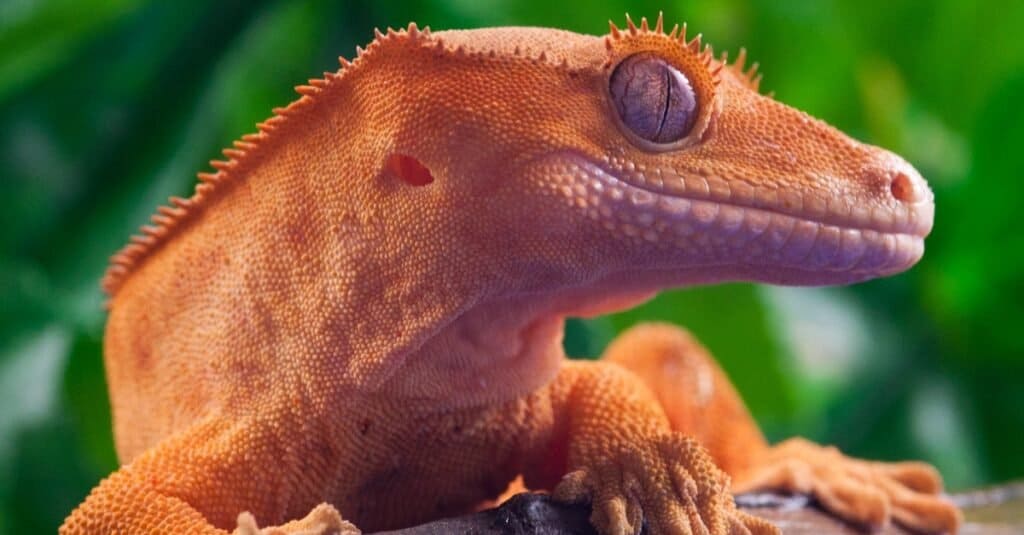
<point>864,492</point>
<point>322,520</point>
<point>668,484</point>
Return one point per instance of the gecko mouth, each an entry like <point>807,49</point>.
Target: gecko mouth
<point>721,229</point>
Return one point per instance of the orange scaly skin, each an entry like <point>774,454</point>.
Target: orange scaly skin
<point>327,327</point>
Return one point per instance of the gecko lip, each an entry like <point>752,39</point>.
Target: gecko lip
<point>860,243</point>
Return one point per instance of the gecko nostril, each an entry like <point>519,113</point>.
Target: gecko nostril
<point>902,187</point>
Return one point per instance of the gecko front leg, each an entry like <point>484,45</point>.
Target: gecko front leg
<point>699,400</point>
<point>622,458</point>
<point>197,482</point>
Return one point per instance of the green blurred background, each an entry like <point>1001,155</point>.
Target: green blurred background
<point>109,107</point>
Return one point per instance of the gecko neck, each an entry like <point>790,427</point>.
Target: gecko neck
<point>497,350</point>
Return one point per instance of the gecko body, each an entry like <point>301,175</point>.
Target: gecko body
<point>359,314</point>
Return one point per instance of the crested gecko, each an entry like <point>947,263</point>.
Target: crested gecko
<point>355,322</point>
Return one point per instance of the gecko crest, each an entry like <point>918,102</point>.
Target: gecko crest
<point>242,155</point>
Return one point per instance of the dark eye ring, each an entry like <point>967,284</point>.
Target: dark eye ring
<point>654,99</point>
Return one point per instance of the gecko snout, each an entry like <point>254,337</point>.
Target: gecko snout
<point>902,181</point>
<point>912,205</point>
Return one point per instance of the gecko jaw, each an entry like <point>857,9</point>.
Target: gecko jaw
<point>841,249</point>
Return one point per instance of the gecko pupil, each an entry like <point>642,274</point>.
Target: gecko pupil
<point>653,98</point>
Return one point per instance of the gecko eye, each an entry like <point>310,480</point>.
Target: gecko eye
<point>653,98</point>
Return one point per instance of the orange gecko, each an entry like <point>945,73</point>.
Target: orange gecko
<point>356,321</point>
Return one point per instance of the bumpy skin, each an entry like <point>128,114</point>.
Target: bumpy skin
<point>363,307</point>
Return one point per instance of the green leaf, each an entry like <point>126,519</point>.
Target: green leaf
<point>86,404</point>
<point>38,36</point>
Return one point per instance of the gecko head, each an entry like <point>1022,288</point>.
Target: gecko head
<point>641,156</point>
<point>705,177</point>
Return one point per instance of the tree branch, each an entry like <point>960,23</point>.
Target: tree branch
<point>997,511</point>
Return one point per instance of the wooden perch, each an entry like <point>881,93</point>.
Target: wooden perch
<point>998,511</point>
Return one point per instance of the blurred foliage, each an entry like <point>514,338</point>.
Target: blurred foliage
<point>110,106</point>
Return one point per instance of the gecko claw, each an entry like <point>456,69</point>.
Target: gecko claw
<point>864,492</point>
<point>324,519</point>
<point>666,483</point>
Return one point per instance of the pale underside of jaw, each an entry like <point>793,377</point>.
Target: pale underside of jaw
<point>713,232</point>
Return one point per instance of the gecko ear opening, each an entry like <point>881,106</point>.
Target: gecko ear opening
<point>409,169</point>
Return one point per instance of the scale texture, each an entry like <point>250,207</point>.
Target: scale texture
<point>356,320</point>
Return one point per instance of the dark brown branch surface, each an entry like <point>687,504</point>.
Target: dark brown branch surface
<point>999,511</point>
